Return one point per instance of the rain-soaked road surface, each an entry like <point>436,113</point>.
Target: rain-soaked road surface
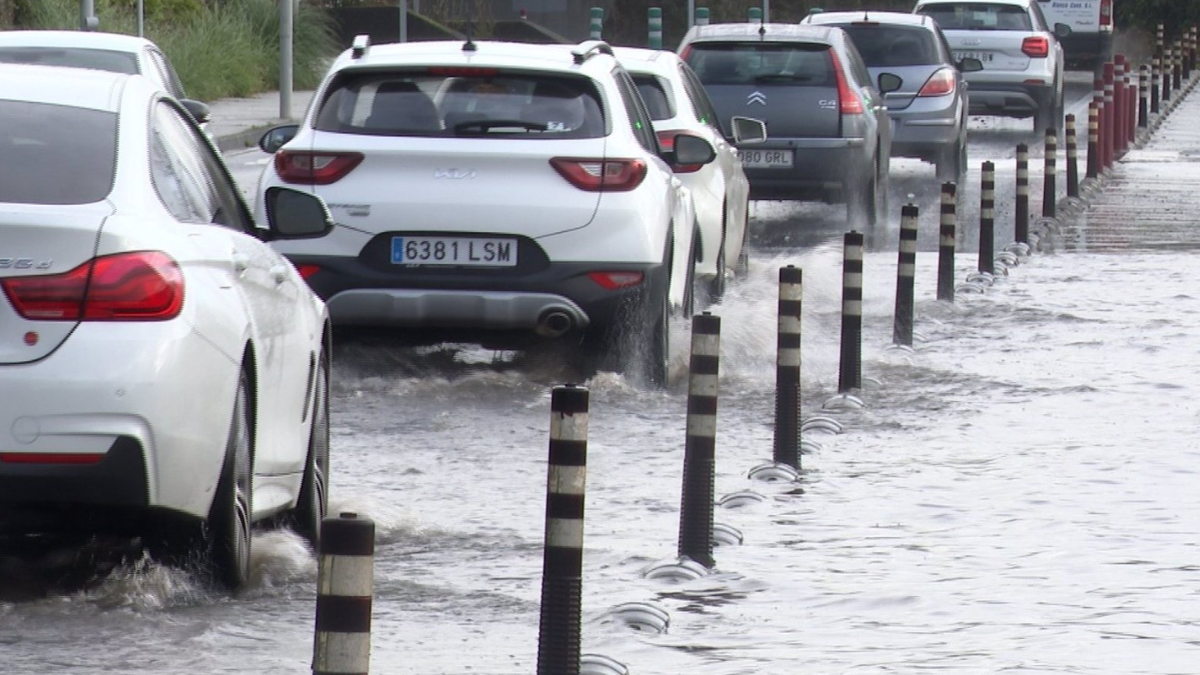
<point>1017,494</point>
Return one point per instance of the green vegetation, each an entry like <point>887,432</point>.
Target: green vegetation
<point>220,48</point>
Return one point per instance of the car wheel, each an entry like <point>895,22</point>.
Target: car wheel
<point>952,163</point>
<point>313,502</point>
<point>863,203</point>
<point>1049,114</point>
<point>655,347</point>
<point>742,267</point>
<point>228,527</point>
<point>716,285</point>
<point>689,285</point>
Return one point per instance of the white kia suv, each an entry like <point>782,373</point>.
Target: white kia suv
<point>514,188</point>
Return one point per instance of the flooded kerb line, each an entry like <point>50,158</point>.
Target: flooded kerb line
<point>345,586</point>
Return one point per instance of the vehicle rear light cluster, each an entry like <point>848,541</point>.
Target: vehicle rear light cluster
<point>940,83</point>
<point>666,140</point>
<point>601,175</point>
<point>615,280</point>
<point>307,271</point>
<point>1105,12</point>
<point>1036,47</point>
<point>848,101</point>
<point>140,286</point>
<point>315,168</point>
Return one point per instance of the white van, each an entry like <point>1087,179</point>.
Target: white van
<point>1090,43</point>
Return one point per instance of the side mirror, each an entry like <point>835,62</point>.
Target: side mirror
<point>690,150</point>
<point>889,82</point>
<point>292,214</point>
<point>747,130</point>
<point>198,110</point>
<point>970,64</point>
<point>1061,30</point>
<point>276,137</point>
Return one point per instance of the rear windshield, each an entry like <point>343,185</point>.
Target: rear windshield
<point>450,102</point>
<point>55,154</point>
<point>791,64</point>
<point>884,45</point>
<point>655,95</point>
<point>72,57</point>
<point>978,16</point>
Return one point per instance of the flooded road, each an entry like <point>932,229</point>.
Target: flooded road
<point>1017,493</point>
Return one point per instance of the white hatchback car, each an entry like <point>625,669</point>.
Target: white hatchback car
<point>679,105</point>
<point>96,50</point>
<point>514,188</point>
<point>165,370</point>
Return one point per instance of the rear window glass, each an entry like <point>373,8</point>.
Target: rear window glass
<point>55,154</point>
<point>72,57</point>
<point>978,16</point>
<point>801,64</point>
<point>883,45</point>
<point>454,102</point>
<point>655,96</point>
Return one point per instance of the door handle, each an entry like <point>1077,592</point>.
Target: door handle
<point>279,274</point>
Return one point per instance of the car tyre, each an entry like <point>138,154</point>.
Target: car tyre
<point>227,533</point>
<point>1049,114</point>
<point>313,502</point>
<point>716,285</point>
<point>742,267</point>
<point>952,163</point>
<point>863,205</point>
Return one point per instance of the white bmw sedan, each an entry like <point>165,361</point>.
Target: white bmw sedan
<point>164,370</point>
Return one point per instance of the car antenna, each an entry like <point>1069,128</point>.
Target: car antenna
<point>469,45</point>
<point>762,30</point>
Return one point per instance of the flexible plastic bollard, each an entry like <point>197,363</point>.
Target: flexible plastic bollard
<point>850,367</point>
<point>906,272</point>
<point>699,456</point>
<point>1021,209</point>
<point>345,585</point>
<point>946,243</point>
<point>787,367</point>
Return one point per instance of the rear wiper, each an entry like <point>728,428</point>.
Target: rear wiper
<point>782,77</point>
<point>485,126</point>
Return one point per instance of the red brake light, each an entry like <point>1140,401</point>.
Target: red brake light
<point>614,280</point>
<point>848,101</point>
<point>601,175</point>
<point>666,141</point>
<point>1105,12</point>
<point>142,286</point>
<point>307,271</point>
<point>1035,46</point>
<point>315,168</point>
<point>685,53</point>
<point>938,84</point>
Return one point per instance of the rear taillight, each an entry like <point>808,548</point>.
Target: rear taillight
<point>1105,12</point>
<point>848,101</point>
<point>940,83</point>
<point>315,168</point>
<point>142,286</point>
<point>601,175</point>
<point>666,141</point>
<point>307,271</point>
<point>614,280</point>
<point>1036,47</point>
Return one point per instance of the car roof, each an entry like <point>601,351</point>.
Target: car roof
<point>642,59</point>
<point>767,32</point>
<point>903,18</point>
<point>94,89</point>
<point>73,38</point>
<point>1014,3</point>
<point>492,53</point>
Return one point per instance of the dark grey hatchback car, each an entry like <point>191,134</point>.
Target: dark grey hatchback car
<point>828,133</point>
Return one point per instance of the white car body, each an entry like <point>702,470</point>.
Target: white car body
<point>132,414</point>
<point>483,186</point>
<point>1023,61</point>
<point>720,189</point>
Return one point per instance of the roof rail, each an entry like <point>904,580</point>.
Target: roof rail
<point>586,49</point>
<point>359,48</point>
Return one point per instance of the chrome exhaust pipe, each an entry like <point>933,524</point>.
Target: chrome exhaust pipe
<point>553,324</point>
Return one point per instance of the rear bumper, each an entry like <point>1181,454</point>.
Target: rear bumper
<point>535,301</point>
<point>821,167</point>
<point>1089,49</point>
<point>1009,100</point>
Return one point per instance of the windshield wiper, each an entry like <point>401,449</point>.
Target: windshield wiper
<point>486,126</point>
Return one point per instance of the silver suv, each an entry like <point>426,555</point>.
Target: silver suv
<point>1022,59</point>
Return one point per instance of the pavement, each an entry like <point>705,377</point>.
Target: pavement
<point>239,122</point>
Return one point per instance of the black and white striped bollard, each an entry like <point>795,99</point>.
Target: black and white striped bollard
<point>787,367</point>
<point>1021,227</point>
<point>345,585</point>
<point>946,243</point>
<point>1093,149</point>
<point>1177,67</point>
<point>850,368</point>
<point>1155,86</point>
<point>699,456</point>
<point>906,272</point>
<point>560,624</point>
<point>1143,118</point>
<point>987,218</point>
<point>1049,186</point>
<point>1072,158</point>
